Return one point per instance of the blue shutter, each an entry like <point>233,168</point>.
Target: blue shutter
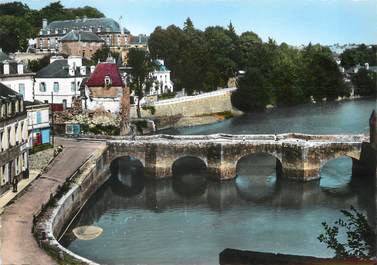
<point>39,117</point>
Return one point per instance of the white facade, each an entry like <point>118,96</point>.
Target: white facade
<point>63,89</point>
<point>17,79</point>
<point>163,83</point>
<point>105,104</point>
<point>39,121</point>
<point>22,84</point>
<point>13,142</point>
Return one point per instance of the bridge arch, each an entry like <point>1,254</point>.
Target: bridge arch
<point>352,154</point>
<point>189,176</point>
<point>127,176</point>
<point>195,163</point>
<point>257,176</point>
<point>255,155</point>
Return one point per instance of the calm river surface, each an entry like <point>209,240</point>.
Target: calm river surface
<point>189,219</point>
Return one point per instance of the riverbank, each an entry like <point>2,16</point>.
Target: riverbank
<point>18,245</point>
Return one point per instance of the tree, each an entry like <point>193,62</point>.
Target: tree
<point>360,55</point>
<point>102,54</point>
<point>365,83</point>
<point>253,93</point>
<point>36,65</point>
<point>14,33</point>
<point>139,78</point>
<point>360,236</point>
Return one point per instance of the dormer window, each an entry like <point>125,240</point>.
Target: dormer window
<point>107,81</point>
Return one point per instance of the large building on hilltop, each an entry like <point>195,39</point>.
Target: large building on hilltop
<point>111,32</point>
<point>81,43</point>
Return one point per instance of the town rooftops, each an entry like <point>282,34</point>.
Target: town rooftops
<point>59,69</point>
<point>96,25</point>
<point>83,36</point>
<point>103,70</point>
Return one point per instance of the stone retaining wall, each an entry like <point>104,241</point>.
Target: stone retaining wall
<point>191,106</point>
<point>53,218</point>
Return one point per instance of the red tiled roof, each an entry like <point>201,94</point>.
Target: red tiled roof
<point>97,78</point>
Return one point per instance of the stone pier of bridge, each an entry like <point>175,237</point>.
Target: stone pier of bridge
<point>299,156</point>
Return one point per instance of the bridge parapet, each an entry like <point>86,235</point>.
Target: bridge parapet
<point>299,156</point>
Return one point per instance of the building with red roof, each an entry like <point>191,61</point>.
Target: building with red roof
<point>105,88</point>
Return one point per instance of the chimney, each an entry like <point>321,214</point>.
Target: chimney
<point>44,23</point>
<point>366,66</point>
<point>121,25</point>
<point>20,68</point>
<point>92,68</point>
<point>6,68</point>
<point>83,70</point>
<point>71,71</point>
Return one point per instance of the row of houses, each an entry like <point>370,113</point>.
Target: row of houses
<point>66,78</point>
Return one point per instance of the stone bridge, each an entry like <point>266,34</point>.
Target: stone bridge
<point>299,156</point>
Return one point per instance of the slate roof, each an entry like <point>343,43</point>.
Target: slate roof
<point>106,24</point>
<point>161,67</point>
<point>58,69</point>
<point>6,92</point>
<point>97,78</point>
<point>83,36</point>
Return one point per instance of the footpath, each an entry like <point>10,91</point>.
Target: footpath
<point>17,244</point>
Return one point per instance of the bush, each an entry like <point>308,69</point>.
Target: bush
<point>167,95</point>
<point>152,109</point>
<point>40,148</point>
<point>360,236</point>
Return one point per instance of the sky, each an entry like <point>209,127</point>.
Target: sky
<point>292,21</point>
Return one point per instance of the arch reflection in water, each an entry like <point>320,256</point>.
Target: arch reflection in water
<point>189,176</point>
<point>127,176</point>
<point>336,176</point>
<point>257,177</point>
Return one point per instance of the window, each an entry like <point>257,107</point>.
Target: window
<point>42,87</point>
<point>73,87</point>
<point>21,89</point>
<point>56,87</point>
<point>107,81</point>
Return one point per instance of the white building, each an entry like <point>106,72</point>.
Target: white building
<point>14,75</point>
<point>39,123</point>
<point>13,138</point>
<point>59,82</point>
<point>163,83</point>
<point>104,88</point>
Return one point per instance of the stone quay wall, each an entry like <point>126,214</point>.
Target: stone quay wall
<point>52,221</point>
<point>191,106</point>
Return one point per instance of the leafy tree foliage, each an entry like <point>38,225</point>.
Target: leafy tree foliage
<point>365,83</point>
<point>360,242</point>
<point>36,65</point>
<point>139,78</point>
<point>18,22</point>
<point>101,55</point>
<point>360,55</point>
<point>205,60</point>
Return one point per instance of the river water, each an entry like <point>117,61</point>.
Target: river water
<point>189,219</point>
